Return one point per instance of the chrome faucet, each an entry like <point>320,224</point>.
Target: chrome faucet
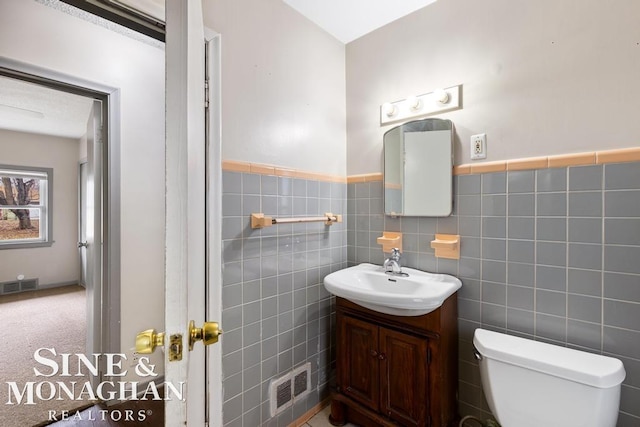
<point>392,264</point>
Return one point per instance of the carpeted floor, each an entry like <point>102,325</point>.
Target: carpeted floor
<point>51,318</point>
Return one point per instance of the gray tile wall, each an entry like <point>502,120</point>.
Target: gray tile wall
<point>551,255</point>
<point>276,314</point>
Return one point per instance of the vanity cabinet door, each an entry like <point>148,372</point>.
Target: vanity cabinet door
<point>394,370</point>
<point>358,361</point>
<point>403,377</point>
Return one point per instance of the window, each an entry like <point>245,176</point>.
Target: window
<point>25,206</point>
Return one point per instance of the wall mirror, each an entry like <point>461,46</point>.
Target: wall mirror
<point>418,165</point>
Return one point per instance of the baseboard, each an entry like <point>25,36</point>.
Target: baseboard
<point>34,285</point>
<point>57,285</point>
<point>30,285</point>
<point>310,413</point>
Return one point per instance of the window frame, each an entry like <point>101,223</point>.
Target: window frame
<point>45,207</point>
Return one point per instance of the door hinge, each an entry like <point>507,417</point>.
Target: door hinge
<point>206,93</point>
<point>428,356</point>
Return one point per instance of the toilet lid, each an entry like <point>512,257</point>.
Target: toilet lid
<point>579,366</point>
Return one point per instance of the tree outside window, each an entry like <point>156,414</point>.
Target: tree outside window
<point>25,195</point>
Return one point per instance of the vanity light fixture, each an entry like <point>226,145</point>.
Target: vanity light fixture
<point>440,100</point>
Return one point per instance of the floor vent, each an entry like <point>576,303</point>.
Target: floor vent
<point>284,391</point>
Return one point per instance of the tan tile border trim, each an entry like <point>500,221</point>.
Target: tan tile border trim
<point>622,155</point>
<point>526,164</point>
<point>369,177</point>
<point>233,166</point>
<point>462,170</point>
<point>258,168</point>
<point>580,159</point>
<point>557,161</point>
<point>487,167</point>
<point>618,156</point>
<point>263,170</point>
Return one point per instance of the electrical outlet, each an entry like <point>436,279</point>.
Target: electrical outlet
<point>478,146</point>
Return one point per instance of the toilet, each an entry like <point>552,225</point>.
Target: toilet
<point>529,383</point>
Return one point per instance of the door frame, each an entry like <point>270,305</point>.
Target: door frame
<point>109,320</point>
<point>82,164</point>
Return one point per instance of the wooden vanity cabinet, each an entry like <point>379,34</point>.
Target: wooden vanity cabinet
<point>395,370</point>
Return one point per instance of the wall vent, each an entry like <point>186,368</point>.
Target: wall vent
<point>29,285</point>
<point>302,381</point>
<point>10,287</point>
<point>284,391</point>
<point>283,394</point>
<point>280,394</point>
<point>18,286</point>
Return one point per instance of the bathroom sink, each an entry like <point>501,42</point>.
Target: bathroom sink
<point>368,285</point>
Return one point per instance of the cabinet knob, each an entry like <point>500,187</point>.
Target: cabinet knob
<point>374,353</point>
<point>382,356</point>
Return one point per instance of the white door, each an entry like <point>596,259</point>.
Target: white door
<point>93,231</point>
<point>186,230</point>
<point>192,223</point>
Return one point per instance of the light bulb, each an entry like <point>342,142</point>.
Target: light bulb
<point>389,109</point>
<point>440,96</point>
<point>414,103</point>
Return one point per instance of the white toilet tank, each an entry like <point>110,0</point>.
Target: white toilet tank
<point>531,384</point>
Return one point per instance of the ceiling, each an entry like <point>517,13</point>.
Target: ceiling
<point>348,20</point>
<point>33,108</point>
<point>28,107</point>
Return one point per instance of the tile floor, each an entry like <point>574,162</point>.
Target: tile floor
<point>321,419</point>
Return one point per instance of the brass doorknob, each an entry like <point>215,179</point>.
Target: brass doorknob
<point>208,334</point>
<point>147,341</point>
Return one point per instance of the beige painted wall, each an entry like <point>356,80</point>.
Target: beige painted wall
<point>37,34</point>
<point>283,87</point>
<point>58,263</point>
<point>539,77</point>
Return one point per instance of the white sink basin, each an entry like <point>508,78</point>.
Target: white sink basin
<point>414,295</point>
